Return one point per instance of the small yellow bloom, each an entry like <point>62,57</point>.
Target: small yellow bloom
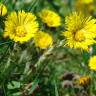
<point>21,26</point>
<point>80,31</point>
<point>43,40</point>
<point>92,63</point>
<point>3,10</point>
<point>50,18</point>
<point>84,80</point>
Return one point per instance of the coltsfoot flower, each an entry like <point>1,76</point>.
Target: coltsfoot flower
<point>80,31</point>
<point>50,18</point>
<point>92,63</point>
<point>43,40</point>
<point>84,80</point>
<point>3,10</point>
<point>21,26</point>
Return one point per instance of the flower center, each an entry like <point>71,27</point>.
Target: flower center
<point>79,36</point>
<point>20,31</point>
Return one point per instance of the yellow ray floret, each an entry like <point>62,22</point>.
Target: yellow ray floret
<point>92,63</point>
<point>80,31</point>
<point>21,26</point>
<point>43,40</point>
<point>50,18</point>
<point>3,10</point>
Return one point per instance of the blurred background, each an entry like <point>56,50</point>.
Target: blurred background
<point>59,73</point>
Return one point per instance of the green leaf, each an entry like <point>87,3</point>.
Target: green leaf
<point>34,86</point>
<point>14,85</point>
<point>56,89</point>
<point>17,94</point>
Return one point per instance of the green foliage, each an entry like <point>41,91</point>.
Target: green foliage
<point>29,71</point>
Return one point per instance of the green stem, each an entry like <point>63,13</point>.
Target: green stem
<point>4,90</point>
<point>43,57</point>
<point>34,3</point>
<point>91,85</point>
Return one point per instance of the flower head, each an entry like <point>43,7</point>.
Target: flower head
<point>43,40</point>
<point>3,10</point>
<point>92,63</point>
<point>84,80</point>
<point>21,26</point>
<point>80,31</point>
<point>50,18</point>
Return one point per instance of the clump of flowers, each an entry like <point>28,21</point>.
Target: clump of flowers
<point>92,63</point>
<point>80,31</point>
<point>3,10</point>
<point>43,40</point>
<point>50,18</point>
<point>21,26</point>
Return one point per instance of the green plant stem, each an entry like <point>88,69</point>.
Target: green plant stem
<point>4,90</point>
<point>43,57</point>
<point>91,85</point>
<point>34,3</point>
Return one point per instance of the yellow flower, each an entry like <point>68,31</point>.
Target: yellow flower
<point>43,40</point>
<point>85,6</point>
<point>50,18</point>
<point>85,1</point>
<point>80,31</point>
<point>92,63</point>
<point>21,26</point>
<point>3,10</point>
<point>84,80</point>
